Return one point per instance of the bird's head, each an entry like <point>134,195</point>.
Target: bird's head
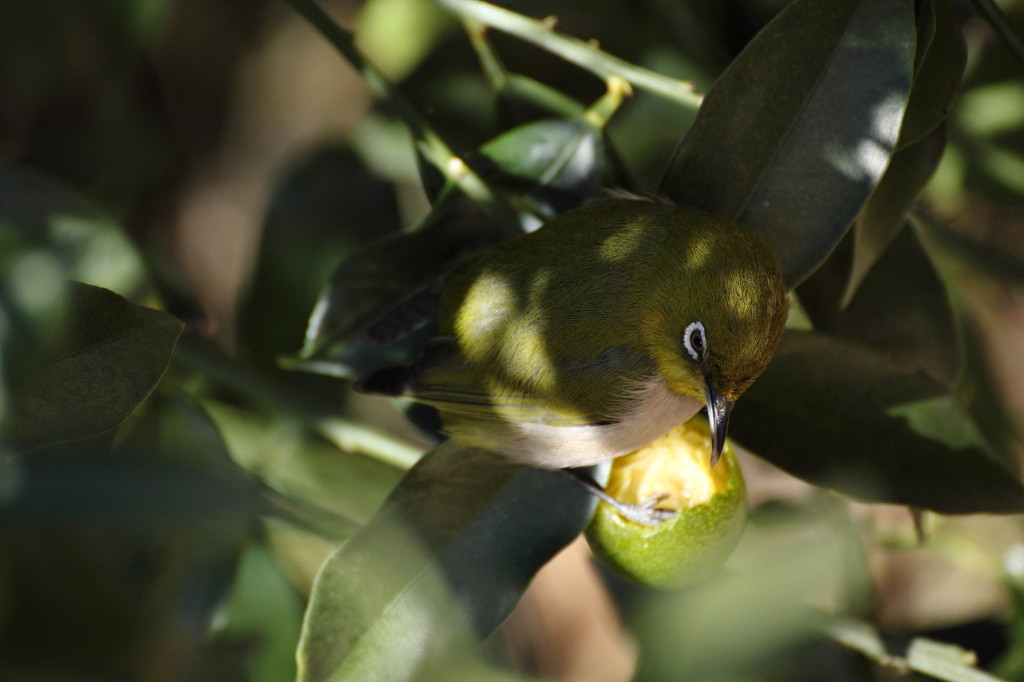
<point>714,328</point>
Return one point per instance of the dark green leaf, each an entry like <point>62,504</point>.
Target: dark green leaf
<point>548,166</point>
<point>976,385</point>
<point>335,484</point>
<point>885,212</point>
<point>938,660</point>
<point>902,308</point>
<point>978,389</point>
<point>462,518</point>
<point>108,358</point>
<point>491,524</point>
<point>940,61</point>
<point>379,611</point>
<point>840,417</point>
<point>554,164</point>
<point>940,65</point>
<point>794,136</point>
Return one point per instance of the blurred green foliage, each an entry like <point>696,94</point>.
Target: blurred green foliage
<point>170,484</point>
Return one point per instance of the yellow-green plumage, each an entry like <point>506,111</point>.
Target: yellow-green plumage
<point>564,347</point>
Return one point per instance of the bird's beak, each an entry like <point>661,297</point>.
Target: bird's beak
<point>719,409</point>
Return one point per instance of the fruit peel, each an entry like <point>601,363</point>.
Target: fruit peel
<point>693,544</point>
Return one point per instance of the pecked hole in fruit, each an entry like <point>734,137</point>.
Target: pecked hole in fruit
<point>677,465</point>
<point>694,543</point>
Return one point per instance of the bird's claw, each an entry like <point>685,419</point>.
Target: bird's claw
<point>647,513</point>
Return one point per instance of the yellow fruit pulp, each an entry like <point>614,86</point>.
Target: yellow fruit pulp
<point>677,464</point>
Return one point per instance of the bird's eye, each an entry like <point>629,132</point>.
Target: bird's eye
<point>693,340</point>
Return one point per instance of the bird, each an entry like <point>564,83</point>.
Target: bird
<point>597,333</point>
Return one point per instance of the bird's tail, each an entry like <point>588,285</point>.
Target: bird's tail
<point>404,380</point>
<point>393,381</point>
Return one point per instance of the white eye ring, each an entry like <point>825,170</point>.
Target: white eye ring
<point>695,340</point>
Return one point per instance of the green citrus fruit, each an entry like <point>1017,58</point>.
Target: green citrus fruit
<point>712,506</point>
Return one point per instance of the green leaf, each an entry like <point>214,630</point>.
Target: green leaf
<point>940,66</point>
<point>839,416</point>
<point>287,458</point>
<point>979,390</point>
<point>885,212</point>
<point>945,662</point>
<point>967,259</point>
<point>940,62</point>
<point>938,660</point>
<point>901,309</point>
<point>108,358</point>
<point>462,520</point>
<point>554,164</point>
<point>796,133</point>
<point>379,611</point>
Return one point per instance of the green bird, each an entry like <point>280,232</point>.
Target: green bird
<point>598,333</point>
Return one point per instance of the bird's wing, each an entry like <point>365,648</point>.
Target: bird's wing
<point>442,378</point>
<point>406,317</point>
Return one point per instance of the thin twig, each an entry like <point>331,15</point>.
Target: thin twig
<point>491,64</point>
<point>601,111</point>
<point>428,142</point>
<point>583,54</point>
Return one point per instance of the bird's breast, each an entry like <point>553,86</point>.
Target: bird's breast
<point>652,409</point>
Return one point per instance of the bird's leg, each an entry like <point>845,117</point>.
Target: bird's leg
<point>647,513</point>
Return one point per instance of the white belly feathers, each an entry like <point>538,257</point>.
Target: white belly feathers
<point>655,411</point>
